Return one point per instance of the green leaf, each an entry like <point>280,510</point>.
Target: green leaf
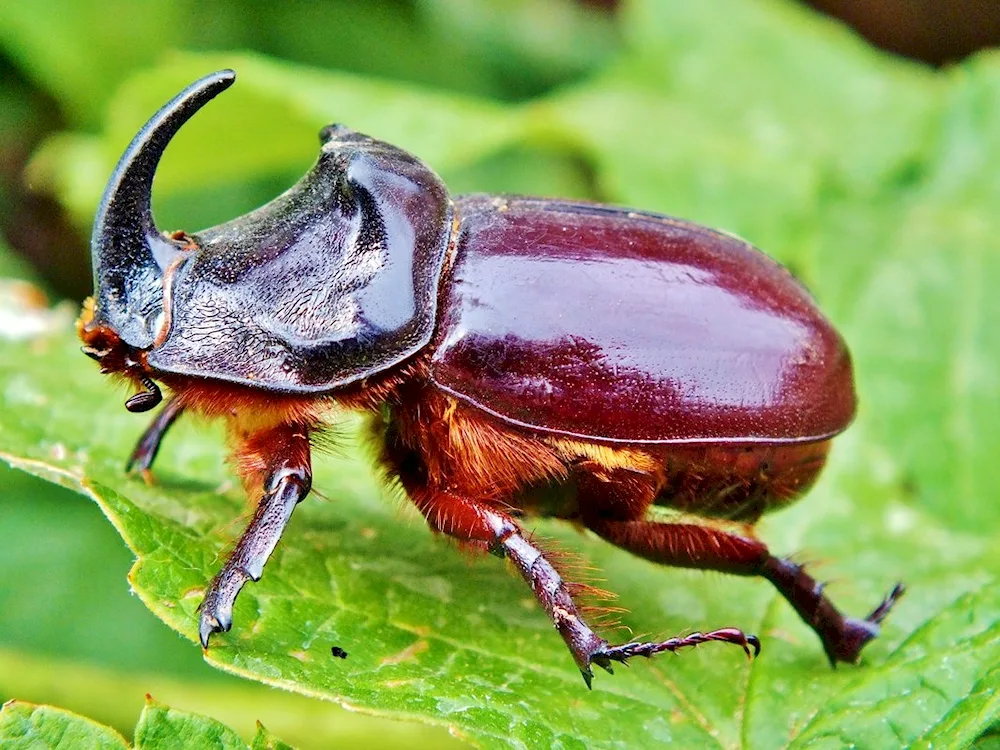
<point>45,38</point>
<point>264,740</point>
<point>423,639</point>
<point>25,726</point>
<point>11,266</point>
<point>164,728</point>
<point>514,50</point>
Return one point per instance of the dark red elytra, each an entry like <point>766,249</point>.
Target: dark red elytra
<point>605,324</point>
<point>517,357</point>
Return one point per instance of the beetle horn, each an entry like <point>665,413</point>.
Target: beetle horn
<point>129,253</point>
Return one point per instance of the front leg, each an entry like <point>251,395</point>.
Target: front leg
<point>282,456</point>
<point>148,446</point>
<point>483,525</point>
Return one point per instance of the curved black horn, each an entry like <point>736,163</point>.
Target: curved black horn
<point>129,253</point>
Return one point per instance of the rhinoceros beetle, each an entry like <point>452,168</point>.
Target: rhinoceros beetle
<point>518,356</point>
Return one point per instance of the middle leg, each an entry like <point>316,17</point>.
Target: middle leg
<point>483,525</point>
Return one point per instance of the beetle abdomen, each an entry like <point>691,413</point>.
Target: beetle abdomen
<point>615,325</point>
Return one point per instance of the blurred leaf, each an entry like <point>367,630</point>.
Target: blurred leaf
<point>549,172</point>
<point>11,266</point>
<point>163,728</point>
<point>81,52</point>
<point>266,125</point>
<point>796,83</point>
<point>59,556</point>
<point>384,38</point>
<point>990,740</point>
<point>22,112</point>
<point>115,697</point>
<point>931,292</point>
<point>525,46</point>
<point>28,726</point>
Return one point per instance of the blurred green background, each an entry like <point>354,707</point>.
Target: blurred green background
<point>70,72</point>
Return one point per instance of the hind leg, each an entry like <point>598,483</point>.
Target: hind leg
<point>484,525</point>
<point>614,509</point>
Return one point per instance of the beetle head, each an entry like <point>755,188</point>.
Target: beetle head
<point>130,255</point>
<point>331,282</point>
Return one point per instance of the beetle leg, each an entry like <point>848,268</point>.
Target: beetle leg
<point>693,546</point>
<point>288,478</point>
<point>148,446</point>
<point>843,637</point>
<point>483,525</point>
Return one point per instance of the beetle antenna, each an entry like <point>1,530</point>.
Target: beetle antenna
<point>147,399</point>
